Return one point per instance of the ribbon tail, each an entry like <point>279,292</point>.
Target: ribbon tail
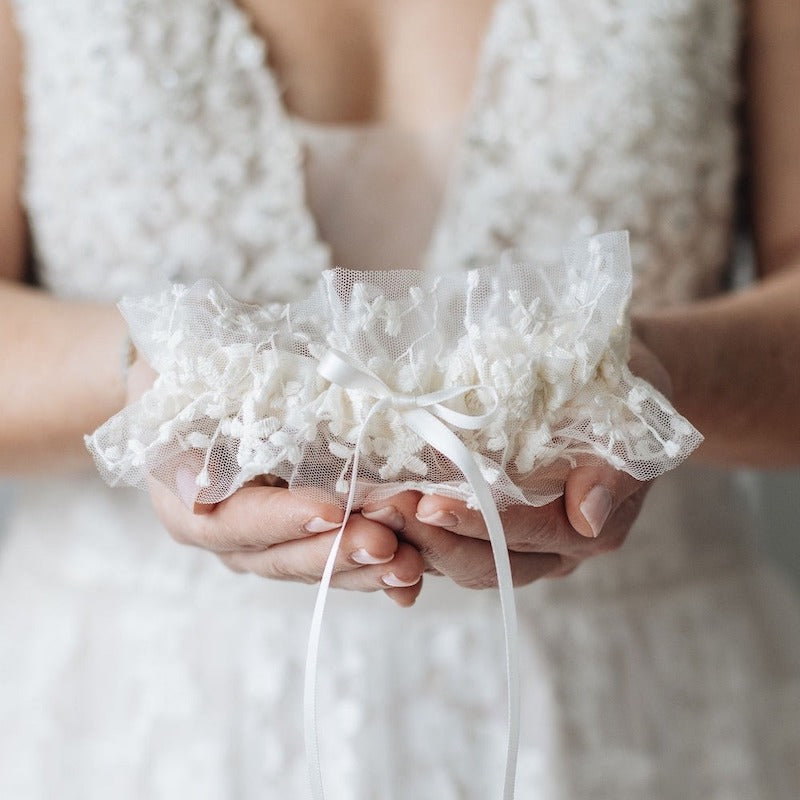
<point>443,439</point>
<point>312,660</point>
<point>314,636</point>
<point>339,369</point>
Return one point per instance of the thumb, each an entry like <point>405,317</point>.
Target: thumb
<point>591,495</point>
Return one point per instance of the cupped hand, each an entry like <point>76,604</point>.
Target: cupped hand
<point>275,533</point>
<point>594,516</point>
<point>279,534</point>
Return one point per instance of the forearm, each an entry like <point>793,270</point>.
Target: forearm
<point>61,376</point>
<point>734,362</point>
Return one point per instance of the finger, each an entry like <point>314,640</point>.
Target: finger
<point>253,518</point>
<point>184,485</point>
<point>592,495</point>
<point>567,567</point>
<point>619,523</point>
<point>305,562</point>
<point>393,511</point>
<point>188,491</point>
<point>404,571</point>
<point>527,529</point>
<point>405,597</point>
<point>470,561</point>
<point>445,553</point>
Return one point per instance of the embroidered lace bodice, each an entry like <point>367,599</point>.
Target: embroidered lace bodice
<point>158,149</point>
<point>585,117</point>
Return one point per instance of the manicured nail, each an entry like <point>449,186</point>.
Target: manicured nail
<point>388,516</point>
<point>596,507</point>
<point>441,519</point>
<point>319,525</point>
<point>362,556</point>
<point>186,487</point>
<point>392,580</point>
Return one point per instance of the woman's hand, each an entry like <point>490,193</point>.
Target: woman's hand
<point>272,532</point>
<point>278,534</point>
<point>593,516</point>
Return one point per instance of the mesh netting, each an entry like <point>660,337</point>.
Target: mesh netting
<point>239,396</point>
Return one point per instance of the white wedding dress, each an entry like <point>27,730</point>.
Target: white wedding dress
<point>133,667</point>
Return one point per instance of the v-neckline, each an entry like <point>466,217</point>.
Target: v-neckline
<point>461,140</point>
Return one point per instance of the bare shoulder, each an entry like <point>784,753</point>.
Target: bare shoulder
<point>773,99</point>
<point>12,222</point>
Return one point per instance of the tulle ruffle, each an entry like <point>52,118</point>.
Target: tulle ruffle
<point>540,353</point>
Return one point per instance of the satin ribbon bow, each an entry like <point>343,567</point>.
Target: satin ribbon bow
<point>426,415</point>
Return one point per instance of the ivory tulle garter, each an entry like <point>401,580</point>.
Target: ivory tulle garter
<point>536,355</point>
<point>488,386</point>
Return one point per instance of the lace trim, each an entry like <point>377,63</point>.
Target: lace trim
<point>239,394</point>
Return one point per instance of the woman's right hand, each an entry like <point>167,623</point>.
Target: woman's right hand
<point>278,534</point>
<point>275,533</point>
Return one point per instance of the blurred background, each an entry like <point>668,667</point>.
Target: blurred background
<point>779,500</point>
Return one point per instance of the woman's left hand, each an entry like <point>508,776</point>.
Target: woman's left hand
<point>594,516</point>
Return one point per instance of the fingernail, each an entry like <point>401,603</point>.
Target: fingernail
<point>186,487</point>
<point>362,556</point>
<point>392,580</point>
<point>596,507</point>
<point>319,525</point>
<point>388,516</point>
<point>441,519</point>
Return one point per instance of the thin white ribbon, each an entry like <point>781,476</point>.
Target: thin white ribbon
<point>426,416</point>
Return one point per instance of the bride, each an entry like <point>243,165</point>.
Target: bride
<point>259,143</point>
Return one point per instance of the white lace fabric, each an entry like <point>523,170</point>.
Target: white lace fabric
<point>240,395</point>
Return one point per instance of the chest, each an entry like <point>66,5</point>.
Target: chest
<point>159,145</point>
<point>410,64</point>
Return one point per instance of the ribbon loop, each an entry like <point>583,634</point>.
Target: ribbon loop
<point>426,415</point>
<point>403,403</point>
<point>339,369</point>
